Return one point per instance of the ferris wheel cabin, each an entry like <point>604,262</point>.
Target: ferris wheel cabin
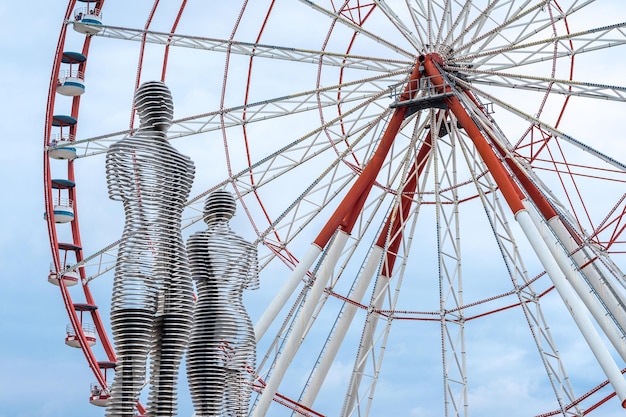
<point>63,205</point>
<point>98,394</point>
<point>88,18</point>
<point>72,79</point>
<point>69,277</point>
<point>72,338</point>
<point>60,142</point>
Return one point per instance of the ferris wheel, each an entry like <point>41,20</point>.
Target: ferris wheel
<point>435,188</point>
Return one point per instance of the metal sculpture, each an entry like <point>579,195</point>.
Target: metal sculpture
<point>222,348</point>
<point>152,302</point>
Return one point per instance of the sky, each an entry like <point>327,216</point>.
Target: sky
<point>39,374</point>
<point>37,371</point>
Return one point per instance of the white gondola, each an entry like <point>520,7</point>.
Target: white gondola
<point>62,150</point>
<point>69,278</point>
<point>61,142</point>
<point>71,81</point>
<point>88,19</point>
<point>63,210</point>
<point>98,396</point>
<point>73,340</point>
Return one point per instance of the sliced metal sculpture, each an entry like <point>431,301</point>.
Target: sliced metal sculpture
<point>152,302</point>
<point>222,348</point>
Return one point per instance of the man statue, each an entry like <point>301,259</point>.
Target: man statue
<point>152,302</point>
<point>222,348</point>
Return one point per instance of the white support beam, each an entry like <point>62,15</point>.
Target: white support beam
<point>342,327</point>
<point>301,323</point>
<point>279,301</point>
<point>575,306</point>
<point>572,273</point>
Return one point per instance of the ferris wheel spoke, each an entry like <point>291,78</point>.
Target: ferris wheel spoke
<point>452,323</point>
<point>418,17</point>
<point>480,26</point>
<point>256,50</point>
<point>307,101</point>
<point>356,27</point>
<point>452,24</point>
<point>569,45</point>
<point>393,17</point>
<point>499,33</point>
<point>102,262</point>
<point>546,84</point>
<point>325,185</point>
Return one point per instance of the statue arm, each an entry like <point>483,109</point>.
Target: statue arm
<point>198,254</point>
<point>252,282</point>
<point>115,174</point>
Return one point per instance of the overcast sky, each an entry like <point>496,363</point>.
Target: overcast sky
<point>39,374</point>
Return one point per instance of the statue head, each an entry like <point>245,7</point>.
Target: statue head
<point>154,105</point>
<point>219,206</point>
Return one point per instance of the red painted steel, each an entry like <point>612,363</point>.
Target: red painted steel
<point>166,53</point>
<point>73,196</point>
<point>511,192</point>
<point>346,213</point>
<point>155,5</point>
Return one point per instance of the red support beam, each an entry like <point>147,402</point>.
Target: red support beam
<point>394,227</point>
<point>533,192</point>
<point>350,207</point>
<point>510,190</point>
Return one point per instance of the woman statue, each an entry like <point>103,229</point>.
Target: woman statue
<point>222,348</point>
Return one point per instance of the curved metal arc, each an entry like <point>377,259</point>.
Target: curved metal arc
<point>75,322</point>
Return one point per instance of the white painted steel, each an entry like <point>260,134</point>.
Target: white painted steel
<point>290,285</point>
<point>337,338</point>
<point>574,305</point>
<point>301,322</point>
